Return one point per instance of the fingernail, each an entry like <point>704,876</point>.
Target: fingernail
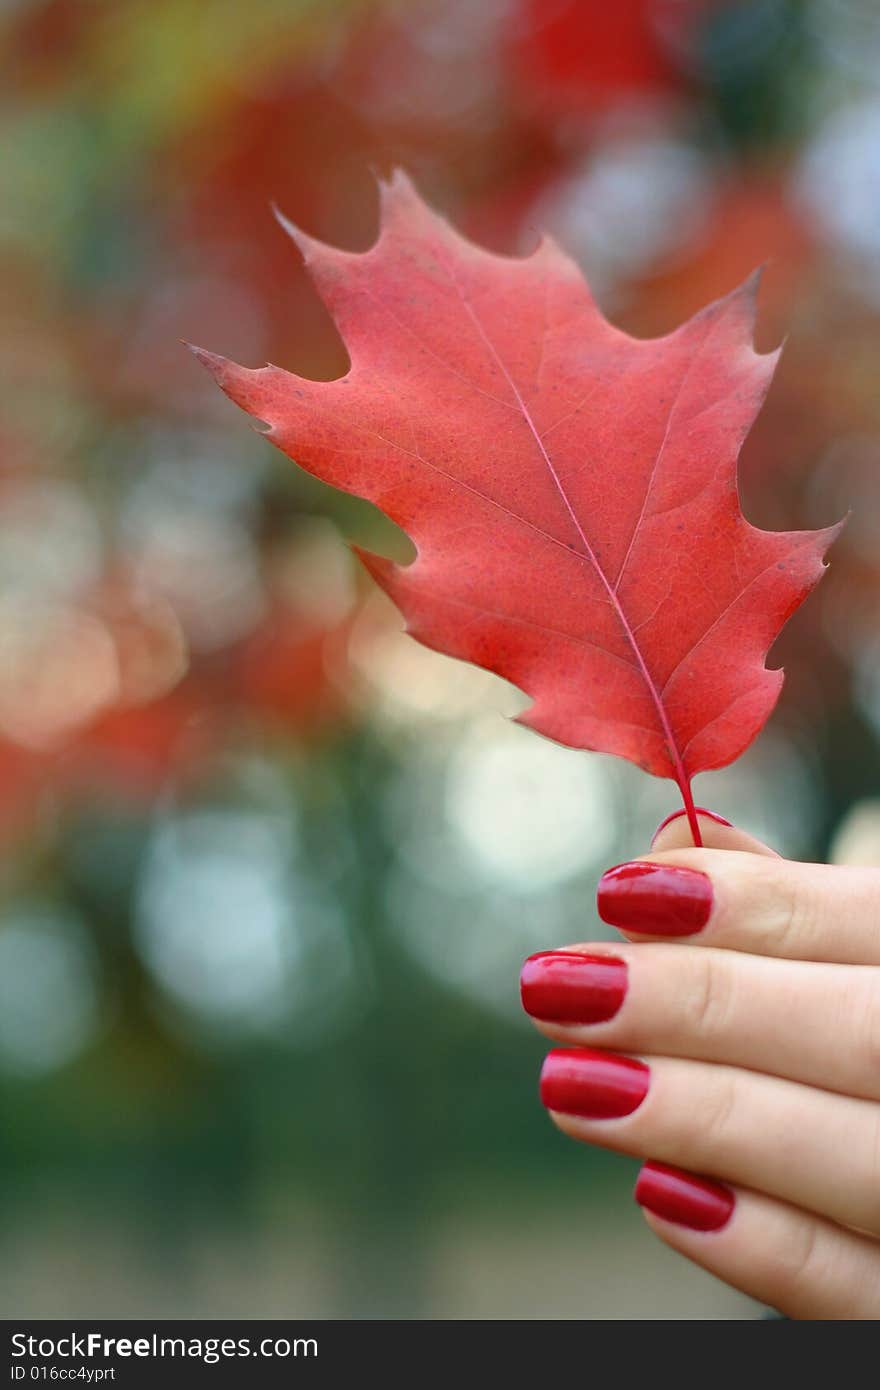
<point>565,987</point>
<point>700,810</point>
<point>593,1085</point>
<point>682,1197</point>
<point>656,899</point>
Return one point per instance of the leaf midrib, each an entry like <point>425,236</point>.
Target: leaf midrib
<point>660,708</point>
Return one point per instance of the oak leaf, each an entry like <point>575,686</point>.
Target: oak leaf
<point>571,491</point>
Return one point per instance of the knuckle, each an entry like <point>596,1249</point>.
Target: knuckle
<point>871,1220</point>
<point>713,1122</point>
<point>784,923</point>
<point>722,1105</point>
<point>799,1269</point>
<point>868,1009</point>
<point>789,917</point>
<point>709,999</point>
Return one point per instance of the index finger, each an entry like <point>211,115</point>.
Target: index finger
<point>746,900</point>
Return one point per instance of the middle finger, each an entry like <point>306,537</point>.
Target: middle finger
<point>818,1024</point>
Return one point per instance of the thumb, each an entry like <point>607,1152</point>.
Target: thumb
<point>675,833</point>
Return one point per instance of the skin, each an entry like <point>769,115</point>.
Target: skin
<point>762,1033</point>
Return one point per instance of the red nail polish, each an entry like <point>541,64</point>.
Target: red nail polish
<point>594,1085</point>
<point>682,1197</point>
<point>700,810</point>
<point>656,899</point>
<point>565,987</point>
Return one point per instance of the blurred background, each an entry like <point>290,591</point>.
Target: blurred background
<point>267,868</point>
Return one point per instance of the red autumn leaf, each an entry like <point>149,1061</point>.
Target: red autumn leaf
<point>571,491</point>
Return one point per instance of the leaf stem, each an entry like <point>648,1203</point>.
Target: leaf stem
<point>687,797</point>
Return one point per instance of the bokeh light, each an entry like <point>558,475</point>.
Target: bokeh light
<point>49,1000</point>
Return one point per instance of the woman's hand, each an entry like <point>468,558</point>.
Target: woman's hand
<point>736,1035</point>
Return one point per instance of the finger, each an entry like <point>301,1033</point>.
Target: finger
<point>797,1263</point>
<point>714,1006</point>
<point>808,1147</point>
<point>715,832</point>
<point>747,902</point>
